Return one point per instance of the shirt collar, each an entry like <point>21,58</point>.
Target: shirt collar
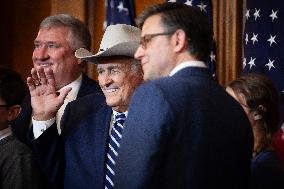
<point>75,85</point>
<point>5,132</point>
<point>187,64</point>
<point>115,112</point>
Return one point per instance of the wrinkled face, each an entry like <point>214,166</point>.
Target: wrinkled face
<point>118,81</point>
<point>157,57</point>
<point>53,49</point>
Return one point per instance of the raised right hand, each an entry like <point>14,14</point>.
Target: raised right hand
<point>45,100</point>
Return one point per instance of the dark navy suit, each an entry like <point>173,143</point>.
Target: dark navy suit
<point>76,159</point>
<point>20,126</point>
<point>184,131</point>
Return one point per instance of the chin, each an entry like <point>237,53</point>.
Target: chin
<point>111,103</point>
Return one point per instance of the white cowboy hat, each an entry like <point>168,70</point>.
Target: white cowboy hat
<point>118,40</point>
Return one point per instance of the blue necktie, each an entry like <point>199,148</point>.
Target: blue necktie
<point>113,147</point>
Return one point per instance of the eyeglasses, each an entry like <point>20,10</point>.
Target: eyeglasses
<point>148,37</point>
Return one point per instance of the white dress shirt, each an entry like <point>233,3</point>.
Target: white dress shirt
<point>40,126</point>
<point>113,119</point>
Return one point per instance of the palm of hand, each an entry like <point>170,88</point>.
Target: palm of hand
<point>44,99</point>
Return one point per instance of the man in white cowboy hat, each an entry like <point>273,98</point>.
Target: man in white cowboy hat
<point>84,155</point>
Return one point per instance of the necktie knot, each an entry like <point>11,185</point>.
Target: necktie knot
<point>120,117</point>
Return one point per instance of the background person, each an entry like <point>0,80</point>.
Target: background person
<point>18,168</point>
<point>58,38</point>
<point>259,98</point>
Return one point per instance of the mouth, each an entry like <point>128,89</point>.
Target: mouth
<point>44,65</point>
<point>111,90</point>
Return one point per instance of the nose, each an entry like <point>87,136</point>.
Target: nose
<point>105,80</point>
<point>40,53</point>
<point>139,53</point>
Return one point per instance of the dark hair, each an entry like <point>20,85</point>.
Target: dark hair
<point>191,20</point>
<point>80,33</point>
<point>12,87</point>
<point>261,96</point>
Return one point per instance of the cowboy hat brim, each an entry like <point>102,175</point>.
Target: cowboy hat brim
<point>121,49</point>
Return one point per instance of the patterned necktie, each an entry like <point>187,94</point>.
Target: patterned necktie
<point>113,146</point>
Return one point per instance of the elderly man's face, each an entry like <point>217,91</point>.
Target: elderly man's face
<point>118,81</point>
<point>53,49</point>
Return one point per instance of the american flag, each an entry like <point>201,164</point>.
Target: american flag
<point>120,12</point>
<point>264,41</point>
<point>206,6</point>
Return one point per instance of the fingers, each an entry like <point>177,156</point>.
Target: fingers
<point>36,80</point>
<point>42,76</point>
<point>30,83</point>
<point>50,77</point>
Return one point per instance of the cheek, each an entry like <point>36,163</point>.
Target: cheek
<point>34,55</point>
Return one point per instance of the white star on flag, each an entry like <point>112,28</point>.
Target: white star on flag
<point>202,6</point>
<point>256,14</point>
<point>251,62</point>
<point>212,57</point>
<point>263,48</point>
<point>254,38</point>
<point>273,15</point>
<point>121,7</point>
<point>246,39</point>
<point>271,39</point>
<point>270,64</point>
<point>247,14</point>
<point>188,2</point>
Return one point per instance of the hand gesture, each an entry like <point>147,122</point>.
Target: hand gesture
<point>45,100</point>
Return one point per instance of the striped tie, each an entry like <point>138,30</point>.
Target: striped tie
<point>113,147</point>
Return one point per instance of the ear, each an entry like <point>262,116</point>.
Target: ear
<point>14,111</point>
<point>80,61</point>
<point>256,116</point>
<point>179,40</point>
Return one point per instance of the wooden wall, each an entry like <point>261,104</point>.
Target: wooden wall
<point>19,26</point>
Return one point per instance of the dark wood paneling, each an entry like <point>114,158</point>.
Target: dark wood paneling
<point>21,18</point>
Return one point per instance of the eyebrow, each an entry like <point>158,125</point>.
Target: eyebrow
<point>109,67</point>
<point>48,42</point>
<point>113,67</point>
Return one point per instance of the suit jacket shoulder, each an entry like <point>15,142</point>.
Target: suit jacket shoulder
<point>88,86</point>
<point>180,126</point>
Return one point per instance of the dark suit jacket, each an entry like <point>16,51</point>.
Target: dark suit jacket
<point>77,157</point>
<point>184,131</point>
<point>20,126</point>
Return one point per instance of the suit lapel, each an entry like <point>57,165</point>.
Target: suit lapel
<point>103,119</point>
<point>88,86</point>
